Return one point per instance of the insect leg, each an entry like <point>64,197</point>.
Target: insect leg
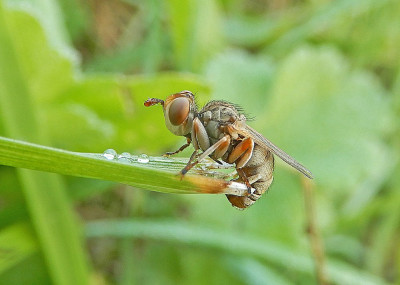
<point>193,156</point>
<point>244,178</point>
<point>241,154</point>
<point>222,149</point>
<point>255,178</point>
<point>180,149</point>
<point>206,153</point>
<point>199,135</point>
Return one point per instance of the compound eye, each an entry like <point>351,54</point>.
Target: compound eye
<point>178,111</point>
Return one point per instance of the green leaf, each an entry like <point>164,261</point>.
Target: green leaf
<point>51,19</point>
<point>196,32</point>
<point>136,171</point>
<point>34,272</point>
<point>331,119</point>
<point>16,244</point>
<point>34,48</point>
<point>48,209</point>
<point>109,112</point>
<point>107,108</point>
<point>322,16</point>
<point>242,79</point>
<point>249,31</point>
<point>251,271</point>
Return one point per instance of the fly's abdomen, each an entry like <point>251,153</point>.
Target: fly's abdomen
<point>259,170</point>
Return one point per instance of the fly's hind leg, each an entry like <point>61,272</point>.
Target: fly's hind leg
<point>240,155</point>
<point>248,181</point>
<point>243,178</point>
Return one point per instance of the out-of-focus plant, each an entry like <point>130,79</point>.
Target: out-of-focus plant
<point>320,78</point>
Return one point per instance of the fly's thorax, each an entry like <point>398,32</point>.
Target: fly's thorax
<point>213,130</point>
<point>220,111</point>
<point>215,115</point>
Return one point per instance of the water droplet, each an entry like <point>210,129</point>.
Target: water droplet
<point>124,155</point>
<point>110,154</point>
<point>143,158</point>
<point>124,159</point>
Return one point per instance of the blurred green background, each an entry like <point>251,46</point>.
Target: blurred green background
<point>321,78</point>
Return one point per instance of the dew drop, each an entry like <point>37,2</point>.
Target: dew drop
<point>124,155</point>
<point>124,159</point>
<point>110,154</point>
<point>143,158</point>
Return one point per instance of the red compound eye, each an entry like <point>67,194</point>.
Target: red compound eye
<point>178,111</point>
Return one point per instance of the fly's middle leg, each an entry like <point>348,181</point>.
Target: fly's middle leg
<point>221,144</point>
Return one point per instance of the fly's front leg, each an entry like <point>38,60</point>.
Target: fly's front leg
<point>200,140</point>
<point>199,135</point>
<point>180,149</point>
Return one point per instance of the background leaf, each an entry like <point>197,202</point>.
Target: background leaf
<point>320,79</point>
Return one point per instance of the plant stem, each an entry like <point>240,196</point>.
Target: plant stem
<point>313,233</point>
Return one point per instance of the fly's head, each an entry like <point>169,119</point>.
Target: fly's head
<point>179,111</point>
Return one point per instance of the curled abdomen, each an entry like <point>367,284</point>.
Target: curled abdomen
<point>259,171</point>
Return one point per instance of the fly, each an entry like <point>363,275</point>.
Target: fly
<point>220,131</point>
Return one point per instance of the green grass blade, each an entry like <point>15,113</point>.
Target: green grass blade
<point>193,235</point>
<point>32,156</point>
<point>44,193</point>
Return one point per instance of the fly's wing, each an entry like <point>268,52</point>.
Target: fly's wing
<point>261,140</point>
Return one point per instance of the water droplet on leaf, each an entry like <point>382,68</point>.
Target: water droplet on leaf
<point>110,154</point>
<point>143,158</point>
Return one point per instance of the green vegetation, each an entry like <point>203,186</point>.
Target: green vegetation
<point>321,79</point>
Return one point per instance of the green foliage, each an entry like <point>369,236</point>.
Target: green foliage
<point>138,171</point>
<point>47,210</point>
<point>320,78</point>
<point>239,244</point>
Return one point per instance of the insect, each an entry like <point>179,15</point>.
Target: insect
<point>219,129</point>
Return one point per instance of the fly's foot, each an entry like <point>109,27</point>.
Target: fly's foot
<point>250,190</point>
<point>181,175</point>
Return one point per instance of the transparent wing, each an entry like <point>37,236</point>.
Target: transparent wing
<point>261,140</point>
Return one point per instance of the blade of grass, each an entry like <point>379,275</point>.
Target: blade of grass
<point>16,244</point>
<point>237,244</point>
<point>44,193</point>
<point>26,155</point>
